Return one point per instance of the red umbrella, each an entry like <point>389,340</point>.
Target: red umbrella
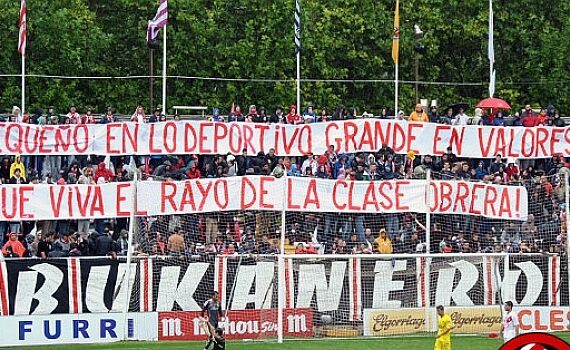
<point>495,103</point>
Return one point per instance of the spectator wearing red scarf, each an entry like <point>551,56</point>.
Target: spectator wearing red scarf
<point>542,117</point>
<point>103,172</point>
<point>511,170</point>
<point>293,117</point>
<point>528,117</point>
<point>88,118</point>
<point>73,116</point>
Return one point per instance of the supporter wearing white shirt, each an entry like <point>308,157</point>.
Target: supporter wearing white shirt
<point>138,116</point>
<point>73,116</point>
<point>510,326</point>
<point>309,163</point>
<point>461,118</point>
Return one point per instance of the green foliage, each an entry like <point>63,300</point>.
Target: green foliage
<point>253,39</point>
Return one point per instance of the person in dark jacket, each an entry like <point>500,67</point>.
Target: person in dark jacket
<point>104,245</point>
<point>5,170</point>
<point>557,121</point>
<point>155,117</point>
<point>339,114</point>
<point>434,115</point>
<point>108,117</point>
<point>17,178</point>
<point>244,162</point>
<point>163,170</point>
<point>271,158</point>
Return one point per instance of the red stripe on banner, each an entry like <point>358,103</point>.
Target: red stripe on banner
<point>74,285</point>
<point>490,282</point>
<point>3,294</point>
<point>554,282</point>
<point>146,284</point>
<point>220,273</point>
<point>287,288</point>
<point>354,289</point>
<point>422,281</point>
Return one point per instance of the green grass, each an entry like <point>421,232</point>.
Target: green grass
<point>404,343</point>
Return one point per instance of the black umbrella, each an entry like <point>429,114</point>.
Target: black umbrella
<point>455,107</point>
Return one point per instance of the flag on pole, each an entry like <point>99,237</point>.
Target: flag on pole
<point>109,164</point>
<point>297,27</point>
<point>396,37</point>
<point>491,51</point>
<point>159,21</point>
<point>22,36</point>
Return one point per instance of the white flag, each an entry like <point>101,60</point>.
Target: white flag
<point>109,164</point>
<point>492,84</point>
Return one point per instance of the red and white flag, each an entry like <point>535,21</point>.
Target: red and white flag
<point>22,36</point>
<point>159,21</point>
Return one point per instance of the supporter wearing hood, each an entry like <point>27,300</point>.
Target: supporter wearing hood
<point>17,164</point>
<point>216,117</point>
<point>13,248</point>
<point>252,114</point>
<point>418,115</point>
<point>383,243</point>
<point>163,170</point>
<point>103,172</point>
<point>193,171</point>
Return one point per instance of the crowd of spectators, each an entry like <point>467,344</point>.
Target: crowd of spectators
<point>454,115</point>
<point>258,232</point>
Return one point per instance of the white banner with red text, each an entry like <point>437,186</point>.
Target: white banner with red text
<point>45,202</point>
<point>202,137</point>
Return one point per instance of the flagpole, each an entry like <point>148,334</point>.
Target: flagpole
<point>396,55</point>
<point>22,38</point>
<point>23,84</point>
<point>298,51</point>
<point>396,81</point>
<point>491,51</point>
<point>299,82</point>
<point>164,70</point>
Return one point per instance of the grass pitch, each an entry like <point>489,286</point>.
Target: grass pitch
<point>403,343</point>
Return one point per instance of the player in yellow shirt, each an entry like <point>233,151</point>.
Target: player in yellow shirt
<point>445,325</point>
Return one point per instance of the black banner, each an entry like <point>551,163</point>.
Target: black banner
<point>342,286</point>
